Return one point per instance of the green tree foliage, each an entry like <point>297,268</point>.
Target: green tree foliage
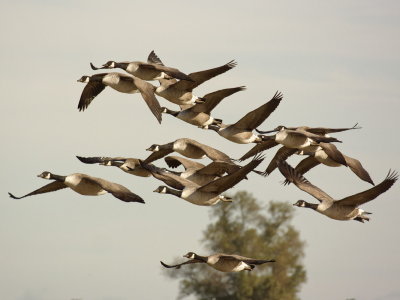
<point>245,228</point>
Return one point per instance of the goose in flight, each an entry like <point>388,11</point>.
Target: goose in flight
<point>149,70</point>
<point>295,138</point>
<point>327,154</point>
<point>206,195</point>
<point>128,84</point>
<point>197,172</point>
<point>222,262</point>
<point>128,165</point>
<point>187,147</point>
<point>241,132</point>
<point>344,209</point>
<point>199,114</point>
<point>180,92</point>
<point>332,156</point>
<point>85,185</point>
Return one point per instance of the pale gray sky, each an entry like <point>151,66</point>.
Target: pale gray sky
<point>337,63</point>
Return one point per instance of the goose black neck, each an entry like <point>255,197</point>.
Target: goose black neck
<point>202,258</point>
<point>58,177</point>
<point>311,205</point>
<point>173,192</point>
<point>171,112</point>
<point>121,65</point>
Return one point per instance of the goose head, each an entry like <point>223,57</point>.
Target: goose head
<point>109,65</point>
<point>45,175</point>
<point>162,189</point>
<point>300,203</point>
<point>154,148</point>
<point>84,79</point>
<point>190,255</point>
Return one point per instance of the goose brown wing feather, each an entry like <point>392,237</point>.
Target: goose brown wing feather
<point>177,266</point>
<point>90,91</point>
<point>259,148</point>
<point>202,76</point>
<point>302,183</point>
<point>153,58</point>
<point>210,152</point>
<point>333,153</point>
<point>357,168</point>
<point>168,178</point>
<point>147,91</point>
<point>372,193</point>
<point>176,161</point>
<point>51,187</point>
<point>117,190</point>
<point>157,155</point>
<point>224,183</point>
<point>214,98</point>
<point>323,130</point>
<point>99,159</point>
<point>282,154</point>
<point>256,117</point>
<point>216,168</point>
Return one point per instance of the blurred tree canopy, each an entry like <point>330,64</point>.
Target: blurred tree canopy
<point>246,228</point>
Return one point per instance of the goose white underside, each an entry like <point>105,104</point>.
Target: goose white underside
<point>201,198</point>
<point>341,213</point>
<point>233,266</point>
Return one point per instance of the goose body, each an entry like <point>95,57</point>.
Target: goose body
<point>189,116</point>
<point>344,209</point>
<point>78,182</point>
<point>128,84</point>
<point>85,185</point>
<point>238,135</point>
<point>222,262</point>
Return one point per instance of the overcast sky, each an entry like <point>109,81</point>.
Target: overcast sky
<point>337,63</point>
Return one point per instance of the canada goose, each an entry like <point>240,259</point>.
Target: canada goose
<point>325,154</point>
<point>222,262</point>
<point>128,165</point>
<point>187,147</point>
<point>180,92</point>
<point>344,209</point>
<point>331,155</point>
<point>85,185</point>
<point>145,70</point>
<point>199,114</point>
<point>205,195</point>
<point>241,132</point>
<point>197,172</point>
<point>302,137</point>
<point>95,84</point>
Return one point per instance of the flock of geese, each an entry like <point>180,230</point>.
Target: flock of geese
<point>204,184</point>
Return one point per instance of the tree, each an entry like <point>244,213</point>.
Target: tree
<point>244,228</point>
